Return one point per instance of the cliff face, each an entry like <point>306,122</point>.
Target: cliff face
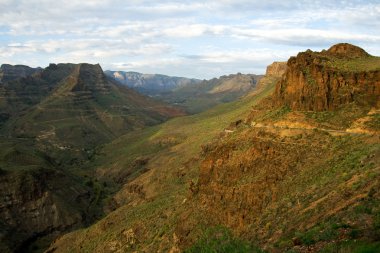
<point>324,81</point>
<point>91,78</point>
<point>38,203</point>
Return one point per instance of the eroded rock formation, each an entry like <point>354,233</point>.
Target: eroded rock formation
<point>320,81</point>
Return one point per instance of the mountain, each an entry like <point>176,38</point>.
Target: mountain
<point>52,123</point>
<point>76,105</point>
<point>150,84</point>
<point>192,95</point>
<point>276,170</point>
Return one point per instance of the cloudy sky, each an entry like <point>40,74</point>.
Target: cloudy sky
<point>201,39</point>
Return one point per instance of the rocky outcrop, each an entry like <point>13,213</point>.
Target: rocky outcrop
<point>242,176</point>
<point>37,203</point>
<point>321,81</point>
<point>276,69</point>
<point>91,78</point>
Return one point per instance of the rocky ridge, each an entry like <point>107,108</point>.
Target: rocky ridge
<point>321,81</point>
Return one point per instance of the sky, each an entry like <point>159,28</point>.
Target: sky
<point>199,39</point>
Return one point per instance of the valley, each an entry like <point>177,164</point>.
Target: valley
<point>285,162</point>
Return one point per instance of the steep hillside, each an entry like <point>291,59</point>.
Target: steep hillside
<point>278,176</point>
<point>39,198</point>
<point>150,84</point>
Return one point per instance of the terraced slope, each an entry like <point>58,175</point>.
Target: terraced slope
<point>74,107</point>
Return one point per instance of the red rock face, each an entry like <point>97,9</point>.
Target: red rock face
<point>312,82</point>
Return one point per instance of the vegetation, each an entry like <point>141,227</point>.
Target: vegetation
<point>221,240</point>
<point>360,64</point>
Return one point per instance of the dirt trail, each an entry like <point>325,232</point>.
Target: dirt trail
<point>279,128</point>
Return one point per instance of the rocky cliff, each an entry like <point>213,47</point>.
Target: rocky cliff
<point>37,203</point>
<point>276,69</point>
<point>320,81</point>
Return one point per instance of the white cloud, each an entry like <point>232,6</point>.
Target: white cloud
<point>196,37</point>
<point>302,36</point>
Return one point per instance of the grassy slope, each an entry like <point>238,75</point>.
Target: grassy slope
<point>172,149</point>
<point>367,63</point>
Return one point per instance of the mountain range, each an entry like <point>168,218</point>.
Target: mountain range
<point>150,84</point>
<point>285,162</point>
<point>192,95</point>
